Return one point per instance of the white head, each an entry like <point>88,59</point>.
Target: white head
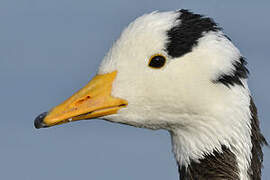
<point>199,93</point>
<point>187,95</point>
<point>186,85</point>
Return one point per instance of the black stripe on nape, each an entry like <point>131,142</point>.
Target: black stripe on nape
<point>184,36</point>
<point>234,78</point>
<point>258,141</point>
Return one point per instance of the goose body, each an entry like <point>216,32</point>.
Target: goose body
<point>177,71</point>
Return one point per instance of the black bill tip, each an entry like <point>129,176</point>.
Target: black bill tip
<point>39,121</point>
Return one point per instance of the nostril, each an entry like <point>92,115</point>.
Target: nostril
<point>82,100</point>
<point>39,121</point>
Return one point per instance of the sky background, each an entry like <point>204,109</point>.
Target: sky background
<point>51,48</point>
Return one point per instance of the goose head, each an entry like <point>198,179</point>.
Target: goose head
<point>175,71</point>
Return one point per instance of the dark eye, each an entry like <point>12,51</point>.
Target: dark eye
<point>157,61</point>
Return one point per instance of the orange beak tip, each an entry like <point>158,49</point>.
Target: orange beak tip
<point>92,101</point>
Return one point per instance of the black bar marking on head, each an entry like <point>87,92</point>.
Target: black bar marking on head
<point>184,36</point>
<point>234,78</point>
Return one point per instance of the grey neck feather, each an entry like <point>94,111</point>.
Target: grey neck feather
<point>223,165</point>
<point>216,166</point>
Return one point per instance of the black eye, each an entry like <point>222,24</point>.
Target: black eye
<point>157,61</point>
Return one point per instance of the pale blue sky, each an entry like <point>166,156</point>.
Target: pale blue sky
<point>51,48</point>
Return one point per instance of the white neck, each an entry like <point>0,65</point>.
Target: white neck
<point>209,134</point>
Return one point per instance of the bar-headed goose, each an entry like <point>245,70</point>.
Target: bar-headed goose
<point>177,71</point>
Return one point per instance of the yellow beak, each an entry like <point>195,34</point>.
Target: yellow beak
<point>92,101</point>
